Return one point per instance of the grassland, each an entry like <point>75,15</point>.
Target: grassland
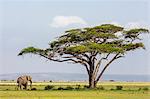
<point>106,90</point>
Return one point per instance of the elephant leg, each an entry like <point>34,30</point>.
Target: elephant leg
<point>18,87</point>
<point>25,86</point>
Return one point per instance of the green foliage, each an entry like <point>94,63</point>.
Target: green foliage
<point>29,50</point>
<point>137,31</point>
<point>101,88</point>
<point>145,88</point>
<point>33,51</point>
<point>53,44</point>
<point>134,33</point>
<point>106,28</point>
<point>77,49</point>
<point>69,88</point>
<point>105,48</point>
<point>119,87</point>
<point>33,89</point>
<point>85,86</point>
<point>131,46</point>
<point>99,38</point>
<point>48,87</point>
<point>60,88</point>
<point>78,87</point>
<point>90,47</point>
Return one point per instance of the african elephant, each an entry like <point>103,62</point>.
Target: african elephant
<point>23,81</point>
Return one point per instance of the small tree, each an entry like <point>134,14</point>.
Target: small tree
<point>92,46</point>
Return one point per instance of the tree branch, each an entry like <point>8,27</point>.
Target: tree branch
<point>115,57</point>
<point>57,60</point>
<point>79,57</point>
<point>75,61</point>
<point>96,68</point>
<point>106,56</point>
<point>98,65</point>
<point>85,55</point>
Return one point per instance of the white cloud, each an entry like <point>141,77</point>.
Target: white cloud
<point>63,21</point>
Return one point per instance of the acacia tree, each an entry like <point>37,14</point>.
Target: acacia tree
<point>92,47</point>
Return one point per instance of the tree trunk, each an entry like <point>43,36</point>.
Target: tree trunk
<point>91,74</point>
<point>92,83</point>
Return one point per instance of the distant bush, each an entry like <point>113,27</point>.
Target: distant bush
<point>33,89</point>
<point>48,87</point>
<point>145,89</point>
<point>60,88</point>
<point>4,80</point>
<point>78,87</point>
<point>69,88</point>
<point>50,81</point>
<point>119,87</point>
<point>139,89</point>
<point>111,80</point>
<point>100,88</point>
<point>85,86</point>
<point>112,89</point>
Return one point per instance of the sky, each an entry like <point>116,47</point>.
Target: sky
<point>26,23</point>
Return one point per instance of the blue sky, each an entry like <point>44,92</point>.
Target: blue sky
<point>26,23</point>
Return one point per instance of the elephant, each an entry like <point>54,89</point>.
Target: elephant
<point>23,81</point>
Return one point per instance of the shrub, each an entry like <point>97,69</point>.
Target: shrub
<point>145,89</point>
<point>50,81</point>
<point>69,88</point>
<point>85,86</point>
<point>49,87</point>
<point>119,87</point>
<point>33,89</point>
<point>78,86</point>
<point>100,88</point>
<point>140,89</point>
<point>112,89</point>
<point>60,88</point>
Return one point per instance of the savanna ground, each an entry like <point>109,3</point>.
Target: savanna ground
<point>77,90</point>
